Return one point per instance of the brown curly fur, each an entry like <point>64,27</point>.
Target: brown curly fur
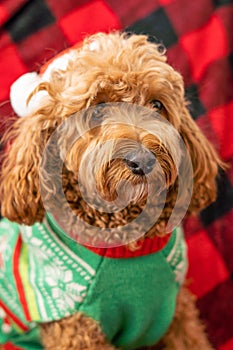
<point>126,69</point>
<point>75,332</point>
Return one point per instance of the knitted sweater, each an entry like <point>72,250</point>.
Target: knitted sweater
<point>45,276</point>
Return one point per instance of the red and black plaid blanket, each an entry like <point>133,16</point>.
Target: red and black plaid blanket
<point>198,36</point>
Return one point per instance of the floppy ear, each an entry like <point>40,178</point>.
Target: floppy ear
<point>19,182</point>
<point>205,162</point>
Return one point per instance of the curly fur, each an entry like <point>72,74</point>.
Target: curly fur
<point>123,69</point>
<point>75,332</point>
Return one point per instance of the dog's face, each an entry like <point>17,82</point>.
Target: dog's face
<point>119,142</point>
<point>127,106</point>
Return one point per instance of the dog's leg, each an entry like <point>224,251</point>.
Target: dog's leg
<point>77,332</point>
<point>186,331</point>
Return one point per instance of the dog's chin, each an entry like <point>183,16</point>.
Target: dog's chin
<point>116,198</point>
<point>137,192</point>
<point>113,197</point>
<point>127,194</point>
<point>135,205</point>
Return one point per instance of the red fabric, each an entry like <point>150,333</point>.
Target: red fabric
<point>85,19</point>
<point>227,346</point>
<point>18,280</point>
<point>201,249</point>
<point>147,246</point>
<point>205,45</point>
<point>10,346</point>
<point>17,68</point>
<point>223,128</point>
<point>17,321</point>
<point>3,14</point>
<point>198,35</point>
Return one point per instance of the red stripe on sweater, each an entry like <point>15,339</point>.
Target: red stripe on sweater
<point>18,281</point>
<point>10,346</point>
<point>14,318</point>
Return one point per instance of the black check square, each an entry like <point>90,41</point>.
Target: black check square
<point>156,25</point>
<point>223,204</point>
<point>218,3</point>
<point>31,18</point>
<point>196,108</point>
<point>231,61</point>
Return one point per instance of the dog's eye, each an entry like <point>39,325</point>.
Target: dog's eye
<point>97,111</point>
<point>97,114</point>
<point>156,104</point>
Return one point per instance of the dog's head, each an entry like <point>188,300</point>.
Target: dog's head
<point>127,106</point>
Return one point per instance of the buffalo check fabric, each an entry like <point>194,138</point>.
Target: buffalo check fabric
<point>198,36</point>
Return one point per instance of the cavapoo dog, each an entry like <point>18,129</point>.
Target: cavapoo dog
<point>99,170</point>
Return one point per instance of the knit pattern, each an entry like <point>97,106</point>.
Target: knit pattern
<point>46,276</point>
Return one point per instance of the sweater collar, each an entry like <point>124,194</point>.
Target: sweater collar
<point>143,247</point>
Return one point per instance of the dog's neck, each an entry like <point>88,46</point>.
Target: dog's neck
<point>140,247</point>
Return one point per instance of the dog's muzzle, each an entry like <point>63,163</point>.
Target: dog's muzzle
<point>140,161</point>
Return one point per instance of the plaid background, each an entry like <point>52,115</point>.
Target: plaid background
<point>198,35</point>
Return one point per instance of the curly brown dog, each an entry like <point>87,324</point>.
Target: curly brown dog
<point>104,130</point>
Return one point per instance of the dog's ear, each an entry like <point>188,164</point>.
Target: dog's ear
<point>19,183</point>
<point>205,162</point>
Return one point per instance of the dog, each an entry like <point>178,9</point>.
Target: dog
<point>87,260</point>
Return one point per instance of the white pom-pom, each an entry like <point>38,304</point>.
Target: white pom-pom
<point>25,85</point>
<point>21,90</point>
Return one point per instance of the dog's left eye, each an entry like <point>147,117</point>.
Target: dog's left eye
<point>97,111</point>
<point>156,104</point>
<point>97,115</point>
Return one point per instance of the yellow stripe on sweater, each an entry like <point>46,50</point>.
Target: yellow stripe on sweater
<point>29,292</point>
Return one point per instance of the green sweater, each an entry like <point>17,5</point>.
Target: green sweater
<point>45,276</point>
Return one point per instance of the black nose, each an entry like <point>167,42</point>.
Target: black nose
<point>140,161</point>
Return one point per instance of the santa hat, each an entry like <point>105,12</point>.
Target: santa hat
<point>22,88</point>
